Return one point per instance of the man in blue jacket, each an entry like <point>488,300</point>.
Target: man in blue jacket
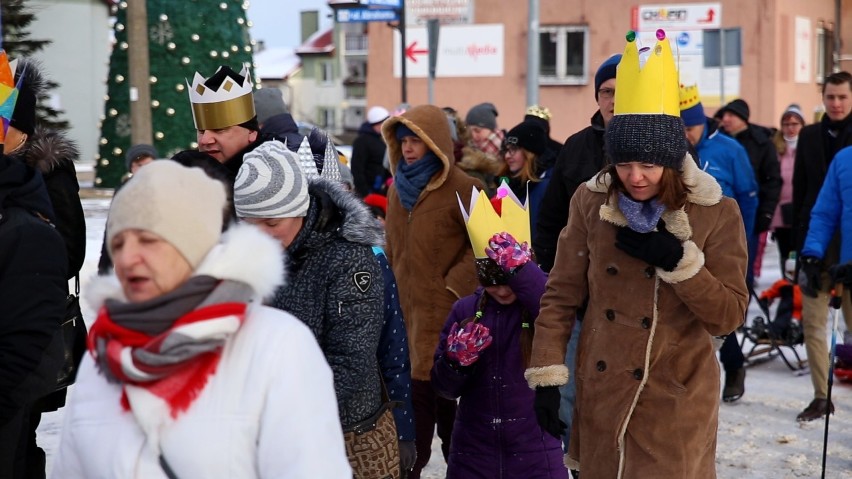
<point>724,159</point>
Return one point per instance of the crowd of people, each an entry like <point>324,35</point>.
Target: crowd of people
<point>263,304</point>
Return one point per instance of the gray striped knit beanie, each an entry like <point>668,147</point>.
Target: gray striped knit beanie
<point>271,184</point>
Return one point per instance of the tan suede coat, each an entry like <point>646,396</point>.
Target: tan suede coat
<point>647,375</point>
<point>428,248</point>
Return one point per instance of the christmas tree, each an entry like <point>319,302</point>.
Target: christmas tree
<point>15,19</point>
<point>183,38</point>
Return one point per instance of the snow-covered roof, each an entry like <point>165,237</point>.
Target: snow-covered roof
<point>276,63</point>
<point>320,42</point>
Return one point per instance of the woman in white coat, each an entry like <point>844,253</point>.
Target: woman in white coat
<point>188,374</point>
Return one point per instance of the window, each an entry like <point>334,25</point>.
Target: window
<point>326,118</point>
<point>326,73</point>
<point>824,54</point>
<point>713,47</point>
<point>564,54</point>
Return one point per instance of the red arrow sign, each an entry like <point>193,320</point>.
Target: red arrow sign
<point>412,50</point>
<point>710,14</point>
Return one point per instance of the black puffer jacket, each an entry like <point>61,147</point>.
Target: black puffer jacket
<point>33,289</point>
<point>757,141</point>
<point>581,157</point>
<point>53,154</point>
<point>368,154</point>
<point>336,287</point>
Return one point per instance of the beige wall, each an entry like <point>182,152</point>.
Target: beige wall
<point>767,81</point>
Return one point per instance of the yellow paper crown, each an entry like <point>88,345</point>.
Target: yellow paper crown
<point>649,89</point>
<point>483,222</point>
<point>689,96</point>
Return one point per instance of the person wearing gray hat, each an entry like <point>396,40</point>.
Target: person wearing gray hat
<point>481,122</point>
<point>138,156</point>
<point>268,102</point>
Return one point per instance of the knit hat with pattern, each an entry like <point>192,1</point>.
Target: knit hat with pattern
<point>271,184</point>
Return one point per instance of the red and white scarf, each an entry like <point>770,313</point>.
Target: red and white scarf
<point>169,345</point>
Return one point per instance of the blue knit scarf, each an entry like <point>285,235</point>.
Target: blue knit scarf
<point>642,216</point>
<point>411,179</point>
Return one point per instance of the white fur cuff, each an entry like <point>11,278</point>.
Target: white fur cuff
<point>571,463</point>
<point>688,266</point>
<point>555,375</point>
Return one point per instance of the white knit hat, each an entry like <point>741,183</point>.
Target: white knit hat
<point>181,205</point>
<point>271,184</point>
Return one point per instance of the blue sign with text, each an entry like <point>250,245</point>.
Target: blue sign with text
<point>352,15</point>
<point>382,3</point>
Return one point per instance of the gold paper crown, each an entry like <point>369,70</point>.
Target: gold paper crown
<point>230,104</point>
<point>540,111</point>
<point>689,96</point>
<point>483,222</point>
<point>648,89</point>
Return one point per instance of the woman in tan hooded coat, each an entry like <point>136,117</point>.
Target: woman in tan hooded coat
<point>429,251</point>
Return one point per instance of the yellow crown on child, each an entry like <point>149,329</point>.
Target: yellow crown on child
<point>229,104</point>
<point>483,221</point>
<point>651,88</point>
<point>689,96</point>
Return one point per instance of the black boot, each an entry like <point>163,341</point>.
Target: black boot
<point>817,409</point>
<point>734,385</point>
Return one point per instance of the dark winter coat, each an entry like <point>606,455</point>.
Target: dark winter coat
<point>393,353</point>
<point>367,163</point>
<point>33,288</point>
<point>813,156</point>
<point>496,434</point>
<point>647,375</point>
<point>335,286</point>
<point>54,154</point>
<point>763,155</point>
<point>428,247</point>
<point>581,157</point>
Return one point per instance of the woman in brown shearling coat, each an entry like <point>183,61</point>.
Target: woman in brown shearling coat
<point>647,374</point>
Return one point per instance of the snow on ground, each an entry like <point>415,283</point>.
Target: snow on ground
<point>758,435</point>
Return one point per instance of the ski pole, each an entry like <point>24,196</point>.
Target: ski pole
<point>836,300</point>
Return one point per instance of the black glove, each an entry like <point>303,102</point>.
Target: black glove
<point>407,455</point>
<point>658,248</point>
<point>810,270</point>
<point>841,273</point>
<point>762,222</point>
<point>546,407</point>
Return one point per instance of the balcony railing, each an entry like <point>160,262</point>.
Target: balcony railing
<point>355,92</point>
<point>356,44</point>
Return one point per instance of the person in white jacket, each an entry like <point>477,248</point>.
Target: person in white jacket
<point>188,374</point>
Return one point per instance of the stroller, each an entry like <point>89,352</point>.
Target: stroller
<point>768,336</point>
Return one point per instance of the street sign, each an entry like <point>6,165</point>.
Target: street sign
<point>382,3</point>
<point>359,15</point>
<point>463,51</point>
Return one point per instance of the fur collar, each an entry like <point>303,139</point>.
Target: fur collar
<point>704,191</point>
<point>245,254</point>
<point>358,225</point>
<point>477,160</point>
<point>48,150</point>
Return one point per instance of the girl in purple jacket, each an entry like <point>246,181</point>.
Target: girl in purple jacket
<point>481,357</point>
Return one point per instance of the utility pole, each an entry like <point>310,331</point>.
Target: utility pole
<point>533,55</point>
<point>838,44</point>
<point>140,87</point>
<point>403,73</point>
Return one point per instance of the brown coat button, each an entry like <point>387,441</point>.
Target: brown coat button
<point>637,374</point>
<point>612,270</point>
<point>610,314</point>
<point>601,365</point>
<point>650,272</point>
<point>646,323</point>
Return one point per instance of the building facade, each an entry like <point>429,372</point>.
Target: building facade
<point>769,52</point>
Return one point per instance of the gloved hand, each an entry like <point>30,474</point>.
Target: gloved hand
<point>465,344</point>
<point>507,253</point>
<point>841,273</point>
<point>546,407</point>
<point>407,455</point>
<point>658,248</point>
<point>810,271</point>
<point>762,222</point>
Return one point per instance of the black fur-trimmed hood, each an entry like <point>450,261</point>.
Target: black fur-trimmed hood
<point>48,150</point>
<point>354,220</point>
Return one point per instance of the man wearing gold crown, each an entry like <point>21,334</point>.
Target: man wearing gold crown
<point>658,256</point>
<point>224,116</point>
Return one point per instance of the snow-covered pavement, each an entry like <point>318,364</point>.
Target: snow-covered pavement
<point>758,435</point>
